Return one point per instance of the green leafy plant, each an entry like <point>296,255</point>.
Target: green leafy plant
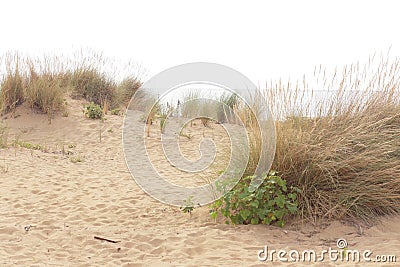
<point>115,111</point>
<point>29,145</point>
<point>270,203</point>
<point>76,159</point>
<point>93,111</point>
<point>188,205</point>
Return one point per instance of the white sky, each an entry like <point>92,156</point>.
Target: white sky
<point>262,39</point>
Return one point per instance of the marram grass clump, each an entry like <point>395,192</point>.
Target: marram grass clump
<point>43,82</point>
<point>11,90</point>
<point>339,144</point>
<point>342,152</point>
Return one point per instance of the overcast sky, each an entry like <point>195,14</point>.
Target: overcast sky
<point>262,39</point>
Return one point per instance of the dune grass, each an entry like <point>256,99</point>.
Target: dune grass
<point>44,92</point>
<point>44,82</point>
<point>343,152</point>
<point>3,137</point>
<point>338,141</point>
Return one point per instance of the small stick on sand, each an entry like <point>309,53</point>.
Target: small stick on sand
<point>105,239</point>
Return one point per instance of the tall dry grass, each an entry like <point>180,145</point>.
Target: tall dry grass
<point>337,140</point>
<point>12,85</point>
<point>44,93</point>
<point>43,82</point>
<point>342,150</point>
<point>102,80</point>
<point>125,90</point>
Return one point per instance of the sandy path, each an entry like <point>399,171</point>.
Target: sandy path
<point>68,203</point>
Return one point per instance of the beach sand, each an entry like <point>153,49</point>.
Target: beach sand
<point>54,201</point>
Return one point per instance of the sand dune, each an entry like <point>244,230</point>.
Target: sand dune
<point>54,201</point>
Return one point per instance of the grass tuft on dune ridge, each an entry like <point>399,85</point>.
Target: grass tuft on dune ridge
<point>12,84</point>
<point>44,81</point>
<point>337,141</point>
